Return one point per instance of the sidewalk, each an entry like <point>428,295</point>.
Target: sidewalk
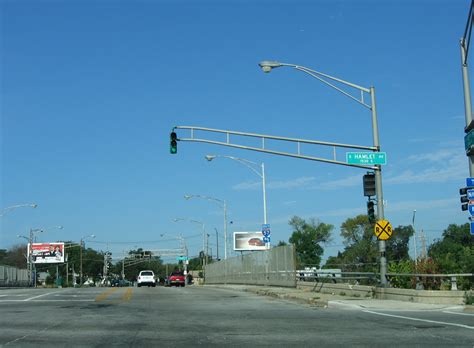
<point>337,301</point>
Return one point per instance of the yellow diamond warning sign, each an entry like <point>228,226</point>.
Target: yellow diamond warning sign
<point>383,229</point>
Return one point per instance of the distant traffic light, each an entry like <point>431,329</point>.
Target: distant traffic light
<point>464,199</point>
<point>173,143</point>
<point>369,184</point>
<point>371,211</point>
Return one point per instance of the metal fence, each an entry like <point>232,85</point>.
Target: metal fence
<point>275,267</point>
<point>12,276</point>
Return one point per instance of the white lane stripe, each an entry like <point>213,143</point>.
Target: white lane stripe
<point>32,298</point>
<point>424,320</point>
<point>468,314</point>
<point>5,301</point>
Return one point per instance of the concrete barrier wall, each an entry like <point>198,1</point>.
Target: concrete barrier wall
<point>421,296</point>
<point>362,291</point>
<point>452,297</point>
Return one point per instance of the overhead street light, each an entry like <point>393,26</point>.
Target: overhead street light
<point>221,202</point>
<point>268,65</point>
<point>7,209</point>
<point>328,80</point>
<point>250,165</point>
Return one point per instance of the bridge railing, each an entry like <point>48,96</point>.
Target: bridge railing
<point>418,279</point>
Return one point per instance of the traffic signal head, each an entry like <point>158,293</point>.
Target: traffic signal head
<point>371,211</point>
<point>369,184</point>
<point>173,143</point>
<point>464,199</point>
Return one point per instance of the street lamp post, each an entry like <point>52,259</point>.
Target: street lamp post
<point>202,228</point>
<point>250,164</point>
<point>183,246</point>
<point>267,66</point>
<point>30,265</point>
<point>7,209</point>
<point>414,239</point>
<point>224,205</point>
<point>80,255</point>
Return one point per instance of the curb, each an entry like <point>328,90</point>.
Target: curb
<point>314,301</point>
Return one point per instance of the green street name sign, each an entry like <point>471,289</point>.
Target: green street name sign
<point>469,142</point>
<point>366,158</point>
<point>181,258</point>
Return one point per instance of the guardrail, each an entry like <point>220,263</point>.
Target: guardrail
<point>336,276</point>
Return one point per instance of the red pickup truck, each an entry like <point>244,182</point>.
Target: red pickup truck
<point>177,279</point>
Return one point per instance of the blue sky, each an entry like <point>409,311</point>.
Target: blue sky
<point>91,90</point>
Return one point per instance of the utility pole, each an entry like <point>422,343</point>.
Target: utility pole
<point>207,248</point>
<point>67,272</point>
<point>30,258</point>
<point>123,268</point>
<point>469,129</point>
<point>414,238</point>
<point>423,246</point>
<point>80,258</point>
<point>217,242</point>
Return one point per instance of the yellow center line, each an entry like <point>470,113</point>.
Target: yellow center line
<point>105,294</point>
<point>127,295</point>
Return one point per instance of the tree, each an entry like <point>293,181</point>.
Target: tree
<point>455,252</point>
<point>397,245</point>
<point>15,256</point>
<point>361,253</point>
<point>307,237</point>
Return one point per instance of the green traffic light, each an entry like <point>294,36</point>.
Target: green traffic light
<point>173,143</point>
<point>371,211</point>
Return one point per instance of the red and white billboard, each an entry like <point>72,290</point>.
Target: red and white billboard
<point>245,241</point>
<point>46,252</point>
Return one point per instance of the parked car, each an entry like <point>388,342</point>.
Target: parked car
<point>177,278</point>
<point>146,278</point>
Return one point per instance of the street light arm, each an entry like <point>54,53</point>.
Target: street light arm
<point>246,163</point>
<point>267,66</point>
<point>204,197</point>
<point>317,75</point>
<point>7,209</point>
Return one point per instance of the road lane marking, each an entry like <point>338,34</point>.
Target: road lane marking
<point>127,295</point>
<point>449,312</point>
<point>417,319</point>
<point>35,297</point>
<point>104,295</point>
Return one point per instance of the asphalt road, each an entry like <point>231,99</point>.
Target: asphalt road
<point>203,316</point>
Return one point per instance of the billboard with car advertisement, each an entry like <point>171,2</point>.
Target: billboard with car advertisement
<point>246,241</point>
<point>46,252</point>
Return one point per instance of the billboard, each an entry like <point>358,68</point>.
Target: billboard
<point>245,241</point>
<point>46,252</point>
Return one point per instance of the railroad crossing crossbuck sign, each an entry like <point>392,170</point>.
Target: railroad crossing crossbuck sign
<point>383,230</point>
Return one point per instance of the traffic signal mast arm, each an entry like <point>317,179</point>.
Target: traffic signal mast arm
<point>262,148</point>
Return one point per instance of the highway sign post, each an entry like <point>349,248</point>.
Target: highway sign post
<point>366,158</point>
<point>471,208</point>
<point>383,230</point>
<point>470,182</point>
<point>266,230</point>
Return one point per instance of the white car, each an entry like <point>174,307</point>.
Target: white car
<point>146,278</point>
